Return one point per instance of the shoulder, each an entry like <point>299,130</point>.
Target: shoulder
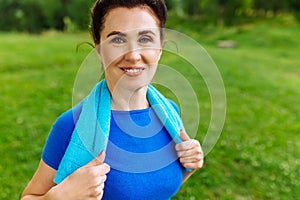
<point>174,105</point>
<point>68,119</point>
<point>59,136</point>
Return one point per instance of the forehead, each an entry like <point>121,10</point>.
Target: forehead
<point>129,19</point>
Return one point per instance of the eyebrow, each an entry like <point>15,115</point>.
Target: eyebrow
<point>116,33</point>
<point>124,34</point>
<point>146,32</point>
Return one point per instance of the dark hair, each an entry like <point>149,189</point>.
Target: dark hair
<point>102,7</point>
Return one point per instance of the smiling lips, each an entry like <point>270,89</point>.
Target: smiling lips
<point>131,71</point>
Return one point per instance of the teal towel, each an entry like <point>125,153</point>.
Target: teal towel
<point>91,132</point>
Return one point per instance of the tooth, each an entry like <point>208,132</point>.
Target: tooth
<point>132,70</point>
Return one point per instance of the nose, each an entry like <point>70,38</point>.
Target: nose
<point>133,56</point>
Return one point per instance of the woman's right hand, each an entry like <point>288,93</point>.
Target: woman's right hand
<point>86,182</point>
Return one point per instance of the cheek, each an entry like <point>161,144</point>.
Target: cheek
<point>110,55</point>
<point>152,56</point>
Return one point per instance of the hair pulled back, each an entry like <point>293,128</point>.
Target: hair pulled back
<point>102,7</point>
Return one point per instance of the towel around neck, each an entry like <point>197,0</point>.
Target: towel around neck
<point>91,132</point>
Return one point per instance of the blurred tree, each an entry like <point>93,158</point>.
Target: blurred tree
<point>191,7</point>
<point>262,7</point>
<point>54,13</point>
<point>80,19</point>
<point>210,11</point>
<point>36,15</point>
<point>294,6</point>
<point>33,19</point>
<point>230,11</point>
<point>9,8</point>
<point>170,4</point>
<point>176,6</point>
<point>22,15</point>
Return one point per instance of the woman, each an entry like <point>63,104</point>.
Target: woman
<point>128,37</point>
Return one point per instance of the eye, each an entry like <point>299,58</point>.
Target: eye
<point>118,40</point>
<point>145,39</point>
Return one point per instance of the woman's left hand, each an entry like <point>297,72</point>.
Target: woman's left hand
<point>189,152</point>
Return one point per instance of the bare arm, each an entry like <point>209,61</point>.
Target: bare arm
<point>86,182</point>
<point>187,175</point>
<point>41,185</point>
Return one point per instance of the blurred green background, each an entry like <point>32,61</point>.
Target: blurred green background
<point>258,153</point>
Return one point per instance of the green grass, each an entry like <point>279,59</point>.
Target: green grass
<point>257,155</point>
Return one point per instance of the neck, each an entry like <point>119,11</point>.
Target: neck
<point>123,99</point>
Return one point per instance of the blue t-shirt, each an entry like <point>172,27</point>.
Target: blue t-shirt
<point>140,152</point>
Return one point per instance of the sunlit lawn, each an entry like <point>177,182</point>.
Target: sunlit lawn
<point>258,153</point>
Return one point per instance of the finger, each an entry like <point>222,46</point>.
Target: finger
<point>186,145</point>
<point>190,159</point>
<point>97,161</point>
<point>193,165</point>
<point>97,191</point>
<point>183,135</point>
<point>96,175</point>
<point>192,162</point>
<point>100,196</point>
<point>105,168</point>
<point>99,180</point>
<point>100,170</point>
<point>190,153</point>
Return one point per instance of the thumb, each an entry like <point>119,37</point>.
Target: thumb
<point>97,161</point>
<point>183,135</point>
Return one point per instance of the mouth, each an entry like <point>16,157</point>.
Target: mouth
<point>132,71</point>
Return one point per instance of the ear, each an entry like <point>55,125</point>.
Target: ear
<point>163,43</point>
<point>97,47</point>
<point>160,53</point>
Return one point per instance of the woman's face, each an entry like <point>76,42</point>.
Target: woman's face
<point>130,47</point>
